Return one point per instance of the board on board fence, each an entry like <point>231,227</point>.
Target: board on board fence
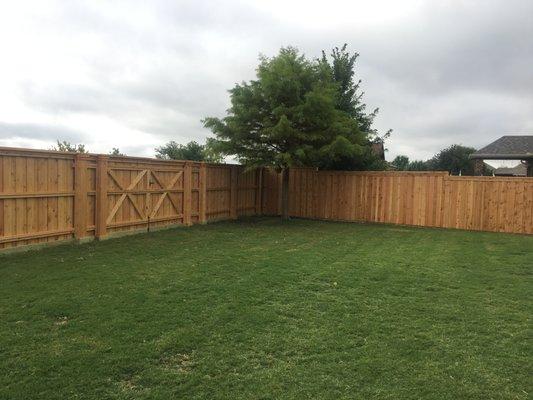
<point>48,196</point>
<point>433,199</point>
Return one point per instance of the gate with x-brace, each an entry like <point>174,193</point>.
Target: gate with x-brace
<point>146,183</point>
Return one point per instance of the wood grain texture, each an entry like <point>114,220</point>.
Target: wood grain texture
<point>433,199</point>
<point>50,196</point>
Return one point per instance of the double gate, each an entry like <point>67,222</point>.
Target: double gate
<point>144,196</point>
<point>48,196</point>
<point>140,194</point>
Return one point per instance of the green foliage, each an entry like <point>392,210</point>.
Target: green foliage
<point>400,163</point>
<point>297,112</point>
<point>349,98</point>
<point>418,165</point>
<point>116,152</point>
<point>262,309</point>
<point>211,152</point>
<point>453,159</point>
<point>69,148</point>
<point>191,151</point>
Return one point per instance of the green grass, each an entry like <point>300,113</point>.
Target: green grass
<point>263,310</point>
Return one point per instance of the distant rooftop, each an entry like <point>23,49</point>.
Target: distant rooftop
<point>517,170</point>
<point>507,147</point>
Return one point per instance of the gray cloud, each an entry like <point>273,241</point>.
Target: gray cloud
<point>40,132</point>
<point>467,46</point>
<point>453,72</point>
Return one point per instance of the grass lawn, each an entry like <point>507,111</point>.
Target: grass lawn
<point>258,309</point>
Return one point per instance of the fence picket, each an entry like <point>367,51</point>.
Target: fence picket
<point>48,196</point>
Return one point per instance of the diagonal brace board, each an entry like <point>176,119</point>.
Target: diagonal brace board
<point>172,182</point>
<point>132,185</point>
<point>158,205</point>
<point>147,214</point>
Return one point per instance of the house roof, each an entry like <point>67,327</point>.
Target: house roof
<point>517,170</point>
<point>507,147</point>
<point>488,167</point>
<point>378,149</point>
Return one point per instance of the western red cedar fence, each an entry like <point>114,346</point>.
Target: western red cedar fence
<point>48,196</point>
<point>434,199</point>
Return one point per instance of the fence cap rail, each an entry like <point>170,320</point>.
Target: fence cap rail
<point>52,196</point>
<point>490,178</point>
<point>21,152</point>
<point>381,173</point>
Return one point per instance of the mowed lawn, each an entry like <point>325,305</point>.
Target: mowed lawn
<point>260,309</point>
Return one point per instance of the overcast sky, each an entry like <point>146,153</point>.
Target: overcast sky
<point>136,74</point>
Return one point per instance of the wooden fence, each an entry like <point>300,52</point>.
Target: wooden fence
<point>432,199</point>
<point>49,196</point>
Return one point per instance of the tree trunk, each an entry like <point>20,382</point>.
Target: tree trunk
<point>285,194</point>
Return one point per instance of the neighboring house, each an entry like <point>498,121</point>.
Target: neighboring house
<point>488,169</point>
<point>378,149</point>
<point>507,148</point>
<point>517,170</point>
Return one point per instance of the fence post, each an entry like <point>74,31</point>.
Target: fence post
<point>187,193</point>
<point>80,197</point>
<point>233,192</point>
<point>259,192</point>
<point>279,190</point>
<point>101,197</point>
<point>202,195</point>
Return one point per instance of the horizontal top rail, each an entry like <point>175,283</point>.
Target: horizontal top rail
<point>402,173</point>
<point>39,153</point>
<point>48,196</point>
<point>489,178</point>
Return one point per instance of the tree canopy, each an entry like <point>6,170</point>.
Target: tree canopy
<point>65,146</point>
<point>191,151</point>
<point>350,98</point>
<point>297,112</point>
<point>116,152</point>
<point>454,159</point>
<point>400,163</point>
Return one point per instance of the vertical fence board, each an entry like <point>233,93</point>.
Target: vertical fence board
<point>101,197</point>
<point>187,193</point>
<point>413,198</point>
<point>50,196</point>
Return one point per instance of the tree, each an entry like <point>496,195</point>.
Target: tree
<point>69,148</point>
<point>418,165</point>
<point>191,151</point>
<point>116,152</point>
<point>288,116</point>
<point>454,159</point>
<point>400,163</point>
<point>350,100</point>
<point>211,152</point>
